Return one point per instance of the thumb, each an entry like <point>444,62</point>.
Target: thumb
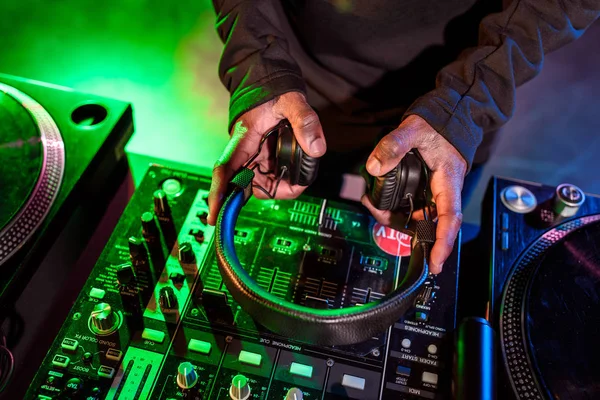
<point>390,150</point>
<point>305,123</point>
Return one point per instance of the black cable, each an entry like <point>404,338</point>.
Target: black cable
<point>260,145</point>
<point>7,365</point>
<point>279,180</point>
<point>262,189</point>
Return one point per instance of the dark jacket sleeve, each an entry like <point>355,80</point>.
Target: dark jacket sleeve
<point>255,65</point>
<point>476,93</point>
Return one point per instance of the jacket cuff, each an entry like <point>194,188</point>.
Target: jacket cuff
<point>451,118</point>
<point>261,92</point>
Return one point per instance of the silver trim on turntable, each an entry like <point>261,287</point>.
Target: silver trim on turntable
<point>20,229</point>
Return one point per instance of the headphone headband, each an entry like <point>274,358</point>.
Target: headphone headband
<point>323,327</point>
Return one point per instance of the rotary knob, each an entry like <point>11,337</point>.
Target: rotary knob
<point>161,204</point>
<point>240,389</point>
<point>294,394</point>
<point>137,251</point>
<point>125,274</point>
<point>103,319</point>
<point>567,200</point>
<point>149,227</point>
<point>168,299</point>
<point>186,375</point>
<point>186,253</point>
<point>519,199</point>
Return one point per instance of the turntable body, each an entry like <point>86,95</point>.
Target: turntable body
<point>545,291</point>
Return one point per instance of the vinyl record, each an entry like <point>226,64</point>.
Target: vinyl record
<point>31,168</point>
<point>550,315</point>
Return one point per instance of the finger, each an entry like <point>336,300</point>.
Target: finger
<point>389,151</point>
<point>384,217</point>
<point>305,124</point>
<point>233,157</point>
<point>216,195</point>
<point>446,192</point>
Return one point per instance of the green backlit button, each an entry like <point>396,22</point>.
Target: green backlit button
<point>69,344</point>
<point>97,293</point>
<point>199,346</point>
<point>153,335</point>
<point>106,372</point>
<point>60,361</point>
<point>301,370</point>
<point>247,357</point>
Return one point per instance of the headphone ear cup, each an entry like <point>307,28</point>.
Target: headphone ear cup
<point>301,168</point>
<point>308,167</point>
<point>389,192</point>
<point>383,190</point>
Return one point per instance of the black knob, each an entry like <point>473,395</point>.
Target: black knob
<point>125,274</point>
<point>198,234</point>
<point>186,253</point>
<point>149,227</point>
<point>137,251</point>
<point>203,216</point>
<point>167,299</point>
<point>161,204</point>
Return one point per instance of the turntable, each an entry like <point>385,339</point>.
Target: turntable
<point>545,289</point>
<point>56,145</point>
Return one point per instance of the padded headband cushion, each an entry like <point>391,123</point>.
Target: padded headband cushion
<point>323,327</point>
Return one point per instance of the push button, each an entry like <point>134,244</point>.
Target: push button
<point>106,372</point>
<point>432,349</point>
<point>96,293</point>
<point>402,370</point>
<point>60,361</point>
<point>74,385</point>
<point>430,377</point>
<point>421,316</point>
<point>114,354</point>
<point>153,335</point>
<point>247,357</point>
<point>301,370</point>
<point>69,344</point>
<point>353,382</point>
<point>406,343</point>
<point>199,346</point>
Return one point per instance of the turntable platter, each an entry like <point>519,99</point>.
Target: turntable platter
<point>32,156</point>
<point>21,155</point>
<point>564,307</point>
<point>550,315</point>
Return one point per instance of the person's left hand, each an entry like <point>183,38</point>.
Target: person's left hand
<point>448,169</point>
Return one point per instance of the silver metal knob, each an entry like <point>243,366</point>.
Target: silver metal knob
<point>294,394</point>
<point>519,199</point>
<point>187,376</point>
<point>103,319</point>
<point>240,388</point>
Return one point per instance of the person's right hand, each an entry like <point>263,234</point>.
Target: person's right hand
<point>245,138</point>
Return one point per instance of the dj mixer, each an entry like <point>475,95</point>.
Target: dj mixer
<point>155,321</point>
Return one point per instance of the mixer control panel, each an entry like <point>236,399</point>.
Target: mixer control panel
<point>155,320</point>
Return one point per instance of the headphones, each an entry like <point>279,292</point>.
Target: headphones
<point>403,188</point>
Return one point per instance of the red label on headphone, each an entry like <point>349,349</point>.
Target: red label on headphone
<point>391,241</point>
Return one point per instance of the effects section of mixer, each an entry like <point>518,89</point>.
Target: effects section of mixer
<point>107,348</point>
<point>174,287</point>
